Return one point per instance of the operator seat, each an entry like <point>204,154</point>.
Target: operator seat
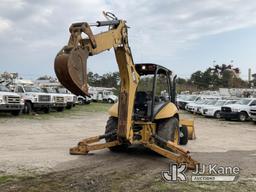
<point>142,104</point>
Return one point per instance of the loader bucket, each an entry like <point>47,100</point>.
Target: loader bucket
<point>190,126</point>
<point>70,66</point>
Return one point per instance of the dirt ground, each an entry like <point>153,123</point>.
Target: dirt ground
<point>34,156</point>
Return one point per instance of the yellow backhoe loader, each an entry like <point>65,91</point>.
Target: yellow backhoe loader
<point>146,112</point>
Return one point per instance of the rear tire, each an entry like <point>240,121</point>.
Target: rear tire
<point>168,129</point>
<point>87,102</point>
<point>112,124</point>
<point>80,101</point>
<point>184,137</point>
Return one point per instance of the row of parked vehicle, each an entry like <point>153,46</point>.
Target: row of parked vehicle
<point>241,109</point>
<point>19,99</point>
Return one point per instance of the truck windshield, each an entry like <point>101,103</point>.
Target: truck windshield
<point>201,101</point>
<point>213,102</point>
<point>4,89</point>
<point>49,90</point>
<point>32,89</point>
<point>62,90</point>
<point>220,103</point>
<point>181,97</point>
<point>244,101</point>
<point>192,98</point>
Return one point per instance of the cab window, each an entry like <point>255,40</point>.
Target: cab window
<point>162,87</point>
<point>253,103</point>
<point>20,90</point>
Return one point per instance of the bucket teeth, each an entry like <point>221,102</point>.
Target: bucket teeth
<point>71,70</point>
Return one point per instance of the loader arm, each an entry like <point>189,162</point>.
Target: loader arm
<point>71,69</point>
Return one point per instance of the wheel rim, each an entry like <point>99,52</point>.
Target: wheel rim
<point>176,136</point>
<point>242,117</point>
<point>217,115</point>
<point>26,108</point>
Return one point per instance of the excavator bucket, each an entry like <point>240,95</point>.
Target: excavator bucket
<point>70,66</point>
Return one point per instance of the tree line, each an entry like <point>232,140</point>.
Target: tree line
<point>218,76</point>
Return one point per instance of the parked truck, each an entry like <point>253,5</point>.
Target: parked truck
<point>70,98</point>
<point>10,102</point>
<point>34,98</point>
<point>253,113</point>
<point>83,100</point>
<point>239,111</point>
<point>103,95</point>
<point>57,99</point>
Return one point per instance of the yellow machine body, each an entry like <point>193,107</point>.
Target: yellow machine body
<point>170,110</point>
<point>71,70</point>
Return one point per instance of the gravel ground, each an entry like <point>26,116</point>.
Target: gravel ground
<point>35,156</point>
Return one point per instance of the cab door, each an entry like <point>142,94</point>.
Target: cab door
<point>162,91</point>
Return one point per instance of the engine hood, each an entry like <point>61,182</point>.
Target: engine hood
<point>236,106</point>
<point>2,93</point>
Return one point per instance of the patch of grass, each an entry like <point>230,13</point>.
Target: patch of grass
<point>78,109</point>
<point>159,185</point>
<point>10,178</point>
<point>96,107</point>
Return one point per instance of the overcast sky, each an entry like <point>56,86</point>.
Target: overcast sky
<point>183,35</point>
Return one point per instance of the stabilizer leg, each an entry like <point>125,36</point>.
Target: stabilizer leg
<point>86,145</point>
<point>176,153</point>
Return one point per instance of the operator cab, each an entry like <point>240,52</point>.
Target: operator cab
<point>155,90</point>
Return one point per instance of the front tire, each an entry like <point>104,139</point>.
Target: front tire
<point>111,126</point>
<point>110,101</point>
<point>16,113</point>
<point>27,108</point>
<point>60,109</point>
<point>184,137</point>
<point>47,110</point>
<point>168,129</point>
<point>68,106</point>
<point>243,116</point>
<point>217,115</point>
<point>80,101</point>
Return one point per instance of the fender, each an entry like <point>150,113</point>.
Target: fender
<point>168,110</point>
<point>113,110</point>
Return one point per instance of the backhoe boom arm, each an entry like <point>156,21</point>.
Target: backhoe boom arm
<point>71,69</point>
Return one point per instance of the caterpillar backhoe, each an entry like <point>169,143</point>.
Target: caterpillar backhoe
<point>145,113</point>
